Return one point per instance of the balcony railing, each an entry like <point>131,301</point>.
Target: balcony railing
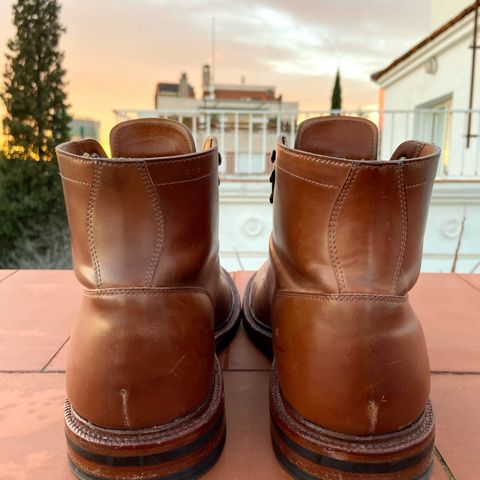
<point>246,137</point>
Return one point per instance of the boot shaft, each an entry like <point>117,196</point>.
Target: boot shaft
<point>149,216</point>
<point>352,225</point>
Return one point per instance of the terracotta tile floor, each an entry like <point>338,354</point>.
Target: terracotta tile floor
<point>36,309</point>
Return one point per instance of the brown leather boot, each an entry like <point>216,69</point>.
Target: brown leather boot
<point>144,388</point>
<point>350,381</point>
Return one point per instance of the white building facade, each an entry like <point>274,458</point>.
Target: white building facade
<point>435,75</point>
<point>425,94</point>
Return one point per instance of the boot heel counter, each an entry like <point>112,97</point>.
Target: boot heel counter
<point>141,356</point>
<point>355,364</point>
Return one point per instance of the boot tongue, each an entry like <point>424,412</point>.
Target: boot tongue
<point>338,136</point>
<point>150,137</point>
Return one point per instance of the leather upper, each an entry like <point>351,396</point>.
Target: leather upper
<point>144,228</point>
<point>345,249</point>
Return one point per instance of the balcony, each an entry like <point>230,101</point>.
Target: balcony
<point>246,138</point>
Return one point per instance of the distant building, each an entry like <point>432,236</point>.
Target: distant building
<point>241,96</point>
<point>435,74</point>
<point>81,128</point>
<point>236,97</point>
<point>246,118</point>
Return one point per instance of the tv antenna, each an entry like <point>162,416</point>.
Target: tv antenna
<point>213,51</point>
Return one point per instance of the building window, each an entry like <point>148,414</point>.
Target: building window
<point>433,124</point>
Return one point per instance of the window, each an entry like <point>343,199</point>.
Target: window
<point>433,124</point>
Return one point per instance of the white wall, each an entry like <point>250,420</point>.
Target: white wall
<point>416,87</point>
<point>245,224</point>
<point>409,86</point>
<point>443,10</point>
<point>450,202</point>
<point>167,102</point>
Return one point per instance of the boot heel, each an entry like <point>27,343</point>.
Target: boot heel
<point>309,452</point>
<point>182,450</point>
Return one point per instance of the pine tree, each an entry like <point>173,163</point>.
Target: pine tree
<point>34,96</point>
<point>337,93</point>
<point>33,226</point>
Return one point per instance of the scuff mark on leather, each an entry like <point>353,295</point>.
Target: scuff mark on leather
<point>123,394</point>
<point>372,415</point>
<point>172,370</point>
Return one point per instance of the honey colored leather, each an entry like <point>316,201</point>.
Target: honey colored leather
<point>361,369</point>
<point>140,357</point>
<point>344,252</point>
<point>144,228</point>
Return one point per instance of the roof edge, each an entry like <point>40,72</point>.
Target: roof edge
<point>443,28</point>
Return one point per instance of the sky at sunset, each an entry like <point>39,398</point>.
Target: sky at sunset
<point>117,50</point>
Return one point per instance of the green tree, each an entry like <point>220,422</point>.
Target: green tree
<point>33,230</point>
<point>33,227</point>
<point>34,89</point>
<point>337,93</point>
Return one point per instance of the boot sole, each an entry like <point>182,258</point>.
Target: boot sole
<point>309,452</point>
<point>224,335</point>
<point>183,449</point>
<point>259,333</point>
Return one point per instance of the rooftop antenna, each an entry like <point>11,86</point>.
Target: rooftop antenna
<point>213,51</point>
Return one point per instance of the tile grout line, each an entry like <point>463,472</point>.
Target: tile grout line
<point>8,276</point>
<point>467,282</point>
<point>434,372</point>
<point>23,372</point>
<point>443,464</point>
<point>454,372</point>
<point>27,372</point>
<point>226,356</point>
<point>42,370</point>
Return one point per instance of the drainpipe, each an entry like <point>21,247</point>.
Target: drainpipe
<point>472,75</point>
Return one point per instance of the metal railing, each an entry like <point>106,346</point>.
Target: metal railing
<point>246,137</point>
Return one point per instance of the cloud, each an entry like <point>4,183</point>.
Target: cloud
<point>313,38</point>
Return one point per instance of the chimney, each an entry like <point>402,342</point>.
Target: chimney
<point>183,89</point>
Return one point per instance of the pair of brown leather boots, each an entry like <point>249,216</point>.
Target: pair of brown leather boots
<point>350,380</point>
